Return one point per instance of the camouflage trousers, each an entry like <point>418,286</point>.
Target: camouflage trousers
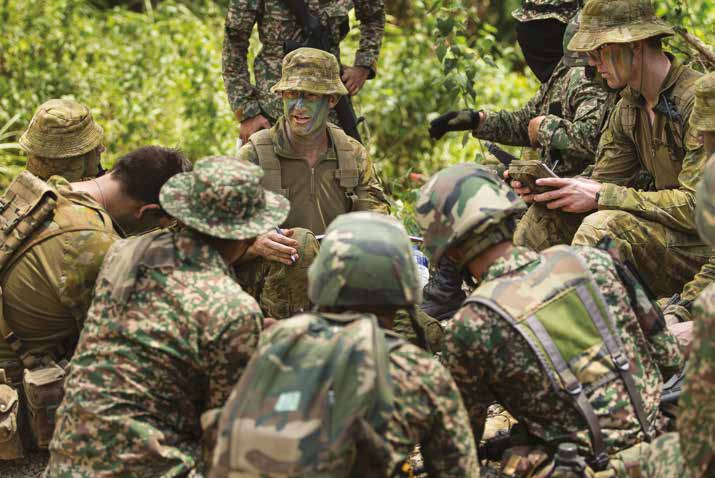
<point>649,246</point>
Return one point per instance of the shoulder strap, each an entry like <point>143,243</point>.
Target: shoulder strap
<point>347,174</point>
<point>268,161</point>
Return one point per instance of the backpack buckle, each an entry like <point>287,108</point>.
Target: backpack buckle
<point>574,388</point>
<point>600,462</point>
<point>622,362</point>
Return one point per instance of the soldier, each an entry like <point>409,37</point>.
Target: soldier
<point>562,121</point>
<point>648,128</point>
<point>364,267</point>
<point>565,339</point>
<point>54,238</point>
<point>257,107</point>
<point>169,331</point>
<point>63,140</point>
<point>321,170</point>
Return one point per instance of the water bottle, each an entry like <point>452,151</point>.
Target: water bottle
<point>422,265</point>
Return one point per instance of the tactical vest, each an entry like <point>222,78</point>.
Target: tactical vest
<point>347,174</point>
<point>307,398</point>
<point>27,204</point>
<point>560,312</point>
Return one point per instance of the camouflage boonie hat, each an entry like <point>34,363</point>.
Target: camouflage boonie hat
<point>365,258</point>
<point>561,10</point>
<point>617,21</point>
<point>310,70</point>
<point>61,129</point>
<point>705,203</point>
<point>703,116</point>
<point>573,58</point>
<point>223,197</point>
<point>461,200</point>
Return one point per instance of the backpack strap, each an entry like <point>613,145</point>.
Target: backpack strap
<point>568,381</point>
<point>268,161</point>
<point>347,174</point>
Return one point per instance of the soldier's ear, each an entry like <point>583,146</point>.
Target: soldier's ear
<point>147,210</point>
<point>455,255</point>
<point>332,100</point>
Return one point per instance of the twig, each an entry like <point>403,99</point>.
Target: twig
<point>705,52</point>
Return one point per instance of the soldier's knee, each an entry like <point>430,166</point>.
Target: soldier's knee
<point>600,224</point>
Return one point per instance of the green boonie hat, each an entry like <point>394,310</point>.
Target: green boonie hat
<point>705,203</point>
<point>561,10</point>
<point>617,21</point>
<point>223,197</point>
<point>61,129</point>
<point>462,201</point>
<point>573,58</point>
<point>311,70</point>
<point>365,258</point>
<point>703,116</point>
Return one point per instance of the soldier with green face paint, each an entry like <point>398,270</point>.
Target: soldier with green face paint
<point>565,339</point>
<point>387,395</point>
<point>314,164</point>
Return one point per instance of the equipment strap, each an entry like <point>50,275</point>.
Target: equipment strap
<point>268,161</point>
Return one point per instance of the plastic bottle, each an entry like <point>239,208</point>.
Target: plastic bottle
<point>422,265</point>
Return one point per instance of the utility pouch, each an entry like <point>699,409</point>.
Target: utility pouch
<point>527,171</point>
<point>44,388</point>
<point>10,442</point>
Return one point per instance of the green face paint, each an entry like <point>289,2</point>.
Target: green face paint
<point>619,60</point>
<point>306,117</point>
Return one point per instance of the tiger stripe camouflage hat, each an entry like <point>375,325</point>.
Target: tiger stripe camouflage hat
<point>223,197</point>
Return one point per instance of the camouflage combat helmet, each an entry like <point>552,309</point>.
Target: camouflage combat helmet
<point>61,129</point>
<point>703,116</point>
<point>311,70</point>
<point>561,10</point>
<point>617,21</point>
<point>462,202</point>
<point>705,203</point>
<point>573,58</point>
<point>364,259</point>
<point>223,197</point>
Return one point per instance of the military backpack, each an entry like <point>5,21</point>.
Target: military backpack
<point>316,394</point>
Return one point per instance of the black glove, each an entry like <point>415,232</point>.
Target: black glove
<point>464,120</point>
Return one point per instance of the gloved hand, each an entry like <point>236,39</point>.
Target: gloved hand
<point>464,120</point>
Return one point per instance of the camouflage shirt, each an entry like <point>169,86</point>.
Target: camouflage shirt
<point>167,336</point>
<point>276,24</point>
<point>47,292</point>
<point>696,417</point>
<point>490,361</point>
<point>574,108</point>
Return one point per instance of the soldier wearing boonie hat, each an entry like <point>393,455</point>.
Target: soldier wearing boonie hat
<point>172,325</point>
<point>62,139</point>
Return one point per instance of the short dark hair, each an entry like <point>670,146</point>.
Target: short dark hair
<point>144,171</point>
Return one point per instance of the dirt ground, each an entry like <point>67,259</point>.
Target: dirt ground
<point>31,466</point>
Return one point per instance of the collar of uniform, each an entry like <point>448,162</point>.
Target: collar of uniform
<point>191,248</point>
<point>282,147</point>
<point>676,69</point>
<point>517,259</point>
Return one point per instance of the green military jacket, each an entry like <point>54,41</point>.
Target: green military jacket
<point>574,108</point>
<point>668,149</point>
<point>315,194</point>
<point>47,289</point>
<point>276,24</point>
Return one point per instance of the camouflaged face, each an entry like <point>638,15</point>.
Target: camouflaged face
<point>460,199</point>
<point>561,10</point>
<point>703,116</point>
<point>223,197</point>
<point>364,259</point>
<point>311,70</point>
<point>705,203</point>
<point>617,21</point>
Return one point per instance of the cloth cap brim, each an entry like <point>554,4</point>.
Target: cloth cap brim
<point>585,40</point>
<point>59,146</point>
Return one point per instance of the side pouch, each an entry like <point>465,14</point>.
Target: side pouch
<point>44,388</point>
<point>527,171</point>
<point>10,442</point>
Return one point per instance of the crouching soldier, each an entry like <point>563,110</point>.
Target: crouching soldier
<point>168,333</point>
<point>335,389</point>
<point>566,339</point>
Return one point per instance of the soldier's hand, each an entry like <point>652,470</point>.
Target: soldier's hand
<point>534,126</point>
<point>276,247</point>
<point>572,194</point>
<point>523,191</point>
<point>464,120</point>
<point>354,78</point>
<point>251,125</point>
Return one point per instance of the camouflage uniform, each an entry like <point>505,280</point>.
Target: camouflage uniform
<point>365,260</point>
<point>501,365</point>
<point>63,139</point>
<point>168,333</point>
<point>276,24</point>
